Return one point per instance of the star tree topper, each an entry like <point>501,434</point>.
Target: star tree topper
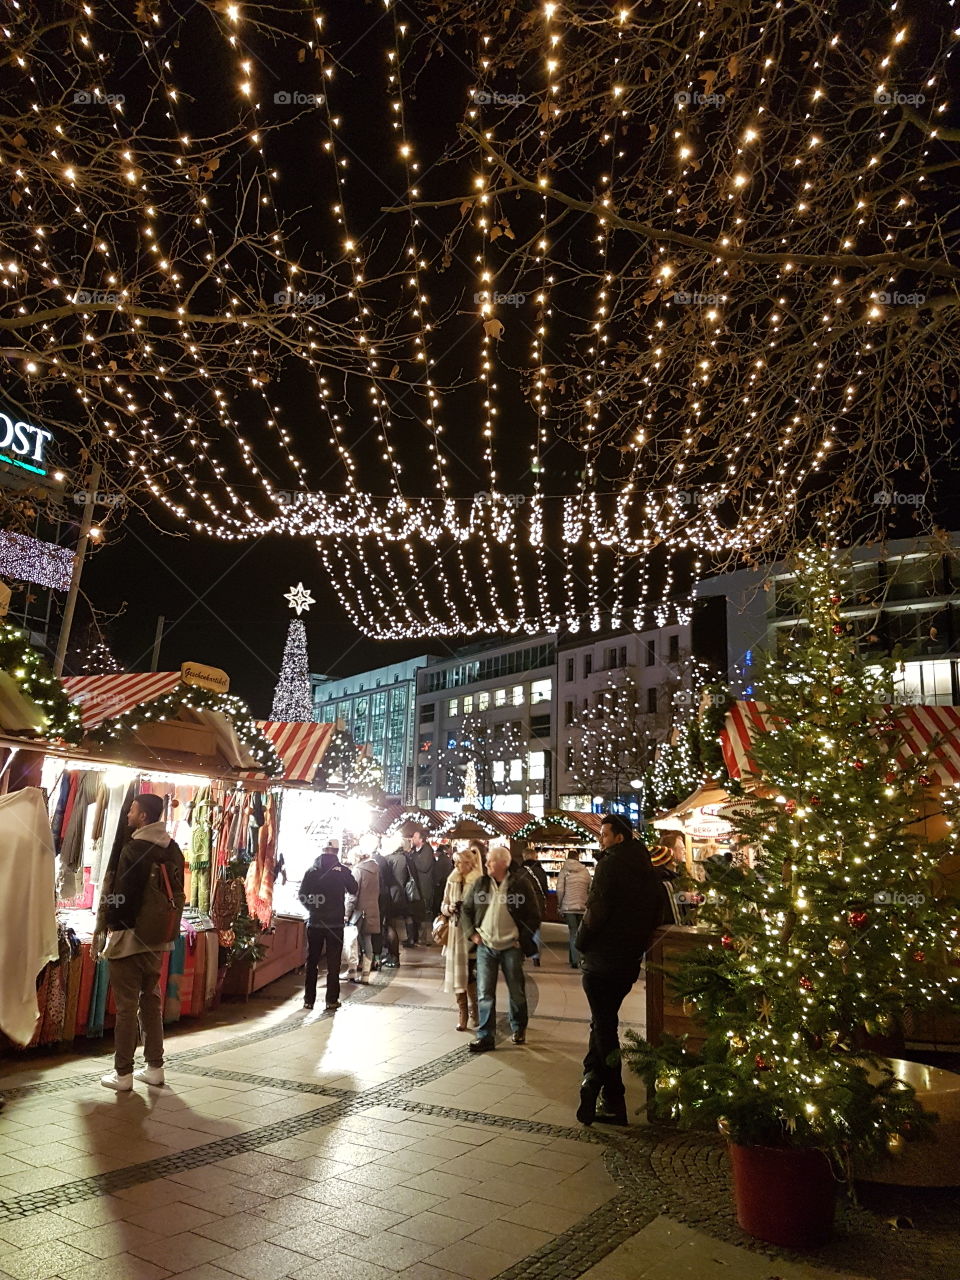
<point>299,598</point>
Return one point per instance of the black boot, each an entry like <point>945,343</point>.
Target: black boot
<point>587,1110</point>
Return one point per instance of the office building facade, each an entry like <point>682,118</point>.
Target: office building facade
<point>378,709</point>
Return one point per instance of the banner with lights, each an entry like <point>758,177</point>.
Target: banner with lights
<point>26,559</point>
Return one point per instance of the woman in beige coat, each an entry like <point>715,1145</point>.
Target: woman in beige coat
<point>460,974</point>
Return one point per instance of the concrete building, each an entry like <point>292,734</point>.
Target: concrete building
<point>378,708</point>
<point>654,662</point>
<point>906,593</point>
<point>509,689</point>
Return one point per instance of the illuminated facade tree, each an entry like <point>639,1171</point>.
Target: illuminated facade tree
<point>291,698</point>
<point>478,762</point>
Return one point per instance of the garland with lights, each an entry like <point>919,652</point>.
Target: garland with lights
<point>166,707</point>
<point>34,679</point>
<point>834,937</point>
<point>556,819</point>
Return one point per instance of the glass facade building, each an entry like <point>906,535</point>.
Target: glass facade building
<point>378,708</point>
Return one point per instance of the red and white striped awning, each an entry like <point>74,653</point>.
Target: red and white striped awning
<point>923,728</point>
<point>300,745</point>
<point>104,697</point>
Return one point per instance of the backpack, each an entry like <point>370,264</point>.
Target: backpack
<point>158,920</point>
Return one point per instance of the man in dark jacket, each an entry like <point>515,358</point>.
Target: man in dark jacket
<point>442,870</point>
<point>149,872</point>
<point>537,873</point>
<point>323,891</point>
<point>421,860</point>
<point>500,915</point>
<point>623,910</point>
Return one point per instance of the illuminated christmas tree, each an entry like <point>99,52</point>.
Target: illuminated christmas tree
<point>291,698</point>
<point>834,936</point>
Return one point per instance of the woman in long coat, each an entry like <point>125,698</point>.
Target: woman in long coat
<point>460,974</point>
<point>363,910</point>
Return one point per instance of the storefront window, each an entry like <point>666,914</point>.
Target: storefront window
<point>536,762</point>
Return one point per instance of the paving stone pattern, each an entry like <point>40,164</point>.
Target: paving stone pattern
<point>479,1171</point>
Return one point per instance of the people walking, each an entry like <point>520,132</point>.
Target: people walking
<point>501,914</point>
<point>460,962</point>
<point>323,892</point>
<point>141,907</point>
<point>362,909</point>
<point>573,885</point>
<point>623,910</point>
<point>394,903</point>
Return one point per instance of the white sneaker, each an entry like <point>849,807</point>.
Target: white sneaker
<point>119,1084</point>
<point>150,1075</point>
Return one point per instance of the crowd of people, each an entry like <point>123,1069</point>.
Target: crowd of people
<point>486,911</point>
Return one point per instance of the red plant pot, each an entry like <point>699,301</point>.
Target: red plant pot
<point>783,1195</point>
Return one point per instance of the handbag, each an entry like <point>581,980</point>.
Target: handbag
<point>411,890</point>
<point>441,930</point>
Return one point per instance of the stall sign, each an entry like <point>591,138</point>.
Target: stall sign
<point>706,824</point>
<point>211,678</point>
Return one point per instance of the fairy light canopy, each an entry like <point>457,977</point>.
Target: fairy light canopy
<point>573,307</point>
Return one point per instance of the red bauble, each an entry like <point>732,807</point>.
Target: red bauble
<point>919,957</point>
<point>857,919</point>
<point>924,781</point>
<point>858,764</point>
<point>889,777</point>
<point>815,800</point>
<point>837,629</point>
<point>835,599</point>
<point>790,806</point>
<point>805,982</point>
<point>837,690</point>
<point>727,942</point>
<point>760,1063</point>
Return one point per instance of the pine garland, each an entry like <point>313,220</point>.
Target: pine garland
<point>33,677</point>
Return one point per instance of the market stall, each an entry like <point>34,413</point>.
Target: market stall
<point>222,777</point>
<point>553,837</point>
<point>704,826</point>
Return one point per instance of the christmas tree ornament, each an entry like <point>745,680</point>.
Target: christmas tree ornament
<point>761,1063</point>
<point>723,1127</point>
<point>858,764</point>
<point>919,956</point>
<point>738,1044</point>
<point>815,801</point>
<point>838,947</point>
<point>896,1144</point>
<point>805,982</point>
<point>727,942</point>
<point>857,919</point>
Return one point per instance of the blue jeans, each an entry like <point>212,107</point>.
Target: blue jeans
<point>573,919</point>
<point>489,963</point>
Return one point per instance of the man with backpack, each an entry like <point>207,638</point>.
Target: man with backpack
<point>143,902</point>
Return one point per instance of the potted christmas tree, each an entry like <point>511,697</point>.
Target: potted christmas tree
<point>823,944</point>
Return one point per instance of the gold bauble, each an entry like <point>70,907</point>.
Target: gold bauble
<point>723,1125</point>
<point>895,1144</point>
<point>837,947</point>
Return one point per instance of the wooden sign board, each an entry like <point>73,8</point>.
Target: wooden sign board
<point>5,594</point>
<point>211,678</point>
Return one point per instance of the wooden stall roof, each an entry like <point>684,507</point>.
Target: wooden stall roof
<point>562,825</point>
<point>399,817</point>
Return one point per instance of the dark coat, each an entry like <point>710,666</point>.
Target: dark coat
<point>535,868</point>
<point>324,889</point>
<point>524,907</point>
<point>625,906</point>
<point>442,868</point>
<point>394,874</point>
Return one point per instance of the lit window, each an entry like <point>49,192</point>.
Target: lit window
<point>500,698</point>
<point>483,701</point>
<point>516,770</point>
<point>467,703</point>
<point>536,762</point>
<point>541,690</point>
<point>453,707</point>
<point>499,771</point>
<point>516,695</point>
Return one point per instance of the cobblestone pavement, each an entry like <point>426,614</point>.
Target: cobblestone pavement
<point>370,1145</point>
